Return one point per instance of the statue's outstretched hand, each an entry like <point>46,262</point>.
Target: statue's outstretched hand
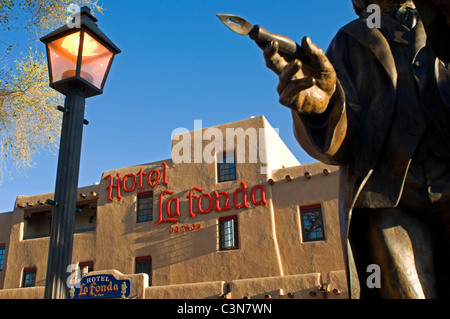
<point>305,85</point>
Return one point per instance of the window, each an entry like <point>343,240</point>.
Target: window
<point>312,224</point>
<point>226,167</point>
<point>144,207</point>
<point>144,265</point>
<point>86,267</point>
<point>29,277</point>
<point>2,255</point>
<point>228,233</point>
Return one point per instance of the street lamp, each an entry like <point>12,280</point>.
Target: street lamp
<point>79,59</point>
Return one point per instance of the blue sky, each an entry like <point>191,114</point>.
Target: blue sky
<point>178,64</point>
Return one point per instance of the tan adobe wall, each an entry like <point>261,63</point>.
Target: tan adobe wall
<point>190,261</point>
<point>299,190</point>
<point>23,253</point>
<point>304,286</point>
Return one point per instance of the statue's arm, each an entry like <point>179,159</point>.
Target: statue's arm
<point>323,136</point>
<point>329,137</point>
<point>319,89</point>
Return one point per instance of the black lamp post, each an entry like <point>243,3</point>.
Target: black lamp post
<point>79,60</point>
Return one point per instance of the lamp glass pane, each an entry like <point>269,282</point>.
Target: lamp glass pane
<point>63,56</point>
<point>95,61</point>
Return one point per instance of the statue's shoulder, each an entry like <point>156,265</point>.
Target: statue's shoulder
<point>356,38</point>
<point>357,28</point>
<point>360,31</point>
<point>348,33</point>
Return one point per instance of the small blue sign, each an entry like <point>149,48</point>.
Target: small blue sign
<point>100,286</point>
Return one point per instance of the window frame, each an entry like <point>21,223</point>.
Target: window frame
<point>88,264</point>
<point>142,260</point>
<point>234,233</point>
<point>25,273</point>
<point>2,255</point>
<point>138,215</point>
<point>305,210</point>
<point>222,168</point>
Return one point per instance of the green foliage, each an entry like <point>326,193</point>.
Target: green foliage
<point>29,121</point>
<point>38,15</point>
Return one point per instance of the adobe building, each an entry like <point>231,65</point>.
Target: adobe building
<point>232,214</point>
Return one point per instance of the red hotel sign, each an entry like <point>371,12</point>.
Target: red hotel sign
<point>170,212</point>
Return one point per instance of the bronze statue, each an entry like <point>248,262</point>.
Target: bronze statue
<point>378,105</point>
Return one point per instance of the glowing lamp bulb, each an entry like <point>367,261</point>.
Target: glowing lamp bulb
<point>71,43</point>
<point>90,46</point>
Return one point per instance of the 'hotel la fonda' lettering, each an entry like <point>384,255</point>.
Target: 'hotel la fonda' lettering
<point>173,213</point>
<point>171,229</point>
